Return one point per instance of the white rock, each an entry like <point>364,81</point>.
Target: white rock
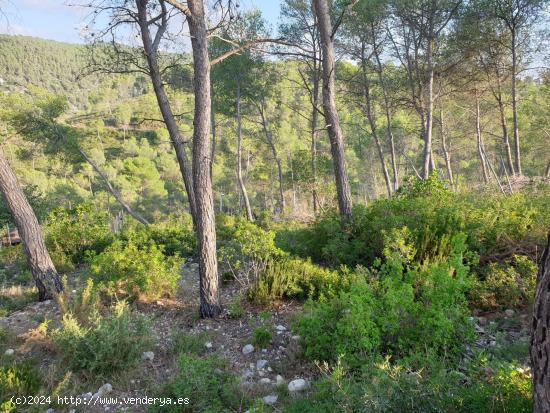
<point>297,385</point>
<point>208,345</point>
<point>279,380</point>
<point>509,313</point>
<point>50,410</point>
<point>261,364</point>
<point>265,380</point>
<point>296,337</point>
<point>9,352</point>
<point>280,328</point>
<point>148,356</point>
<point>105,389</point>
<point>271,399</point>
<point>264,350</point>
<point>249,348</point>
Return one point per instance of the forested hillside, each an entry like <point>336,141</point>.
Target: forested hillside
<point>343,213</point>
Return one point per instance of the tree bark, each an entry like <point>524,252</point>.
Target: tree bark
<point>240,180</point>
<point>515,103</point>
<point>428,156</point>
<point>43,271</point>
<point>369,113</point>
<point>446,153</point>
<point>482,161</point>
<point>321,10</point>
<point>271,144</point>
<point>540,336</point>
<point>150,48</point>
<point>314,118</point>
<point>504,126</point>
<point>202,183</point>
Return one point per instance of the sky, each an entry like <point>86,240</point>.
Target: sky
<point>57,20</point>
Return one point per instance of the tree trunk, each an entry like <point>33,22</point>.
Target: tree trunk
<point>515,103</point>
<point>271,144</point>
<point>321,10</point>
<point>206,226</point>
<point>240,179</point>
<point>314,117</point>
<point>42,268</point>
<point>540,336</point>
<point>150,47</point>
<point>483,164</point>
<point>446,153</point>
<point>112,189</point>
<point>372,121</point>
<point>387,112</point>
<point>428,157</point>
<point>547,172</point>
<point>504,126</point>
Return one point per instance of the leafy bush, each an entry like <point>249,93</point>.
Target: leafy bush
<point>496,226</point>
<point>262,336</point>
<point>174,235</point>
<point>136,270</point>
<point>245,249</point>
<point>287,277</point>
<point>506,285</point>
<point>208,385</point>
<point>392,310</point>
<point>17,380</point>
<point>72,235</point>
<point>386,387</point>
<point>105,344</point>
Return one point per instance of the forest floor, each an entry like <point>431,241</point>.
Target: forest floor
<point>261,370</point>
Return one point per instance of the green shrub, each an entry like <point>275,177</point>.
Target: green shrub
<point>506,285</point>
<point>209,386</point>
<point>136,270</point>
<point>193,344</point>
<point>72,235</point>
<point>262,336</point>
<point>235,308</point>
<point>245,249</point>
<point>17,380</point>
<point>174,235</point>
<point>387,387</point>
<point>398,309</point>
<point>287,277</point>
<point>106,344</point>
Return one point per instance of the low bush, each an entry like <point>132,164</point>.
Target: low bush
<point>209,386</point>
<point>506,285</point>
<point>105,344</point>
<point>17,380</point>
<point>288,277</point>
<point>73,235</point>
<point>245,249</point>
<point>174,235</point>
<point>386,387</point>
<point>136,270</point>
<point>399,309</point>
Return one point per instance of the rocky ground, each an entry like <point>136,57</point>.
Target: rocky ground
<point>260,369</point>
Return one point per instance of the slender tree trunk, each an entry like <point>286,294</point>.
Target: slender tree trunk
<point>483,164</point>
<point>206,229</point>
<point>372,120</point>
<point>504,126</point>
<point>314,118</point>
<point>151,48</point>
<point>428,156</point>
<point>212,156</point>
<point>42,268</point>
<point>240,179</point>
<point>540,336</point>
<point>547,172</point>
<point>321,10</point>
<point>112,189</point>
<point>387,112</point>
<point>271,144</point>
<point>515,103</point>
<point>446,153</point>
